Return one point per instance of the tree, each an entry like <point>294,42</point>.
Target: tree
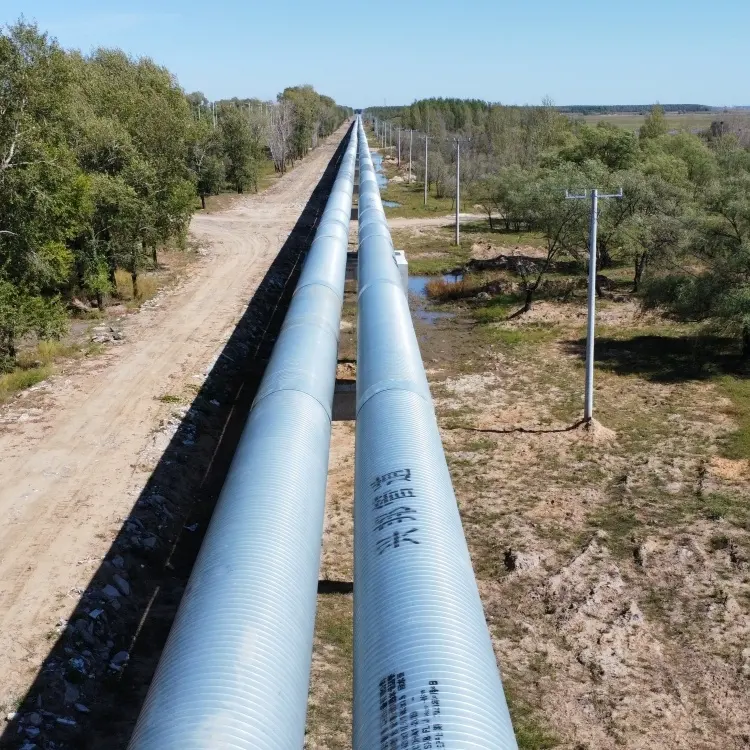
<point>710,280</point>
<point>238,145</point>
<point>144,122</point>
<point>306,104</point>
<point>655,124</point>
<point>647,223</point>
<point>206,160</point>
<point>279,132</point>
<point>561,221</point>
<point>513,196</point>
<point>615,147</point>
<point>22,311</point>
<point>43,194</point>
<point>211,177</point>
<point>101,157</point>
<point>484,193</point>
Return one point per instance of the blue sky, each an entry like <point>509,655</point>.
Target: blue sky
<point>577,52</point>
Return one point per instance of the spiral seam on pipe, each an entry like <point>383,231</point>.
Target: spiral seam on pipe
<point>425,674</point>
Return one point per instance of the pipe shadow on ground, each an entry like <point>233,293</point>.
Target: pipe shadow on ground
<point>335,587</point>
<point>89,690</point>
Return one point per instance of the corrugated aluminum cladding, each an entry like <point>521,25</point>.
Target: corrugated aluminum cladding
<point>425,674</point>
<point>235,671</point>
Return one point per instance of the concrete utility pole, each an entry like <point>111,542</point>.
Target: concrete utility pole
<point>588,409</point>
<point>399,146</point>
<point>458,191</point>
<point>426,138</point>
<point>411,140</point>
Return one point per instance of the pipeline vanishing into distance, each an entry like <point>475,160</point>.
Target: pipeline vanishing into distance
<point>235,671</point>
<point>425,674</point>
<point>236,667</point>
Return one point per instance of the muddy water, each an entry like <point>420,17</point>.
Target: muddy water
<point>377,162</point>
<point>418,284</point>
<point>418,294</point>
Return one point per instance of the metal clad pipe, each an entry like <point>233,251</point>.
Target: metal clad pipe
<point>235,671</point>
<point>425,673</point>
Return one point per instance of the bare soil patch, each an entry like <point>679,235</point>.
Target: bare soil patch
<point>614,562</point>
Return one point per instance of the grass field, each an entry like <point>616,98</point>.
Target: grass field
<point>688,121</point>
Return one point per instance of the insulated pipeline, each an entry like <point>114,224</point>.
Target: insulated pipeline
<point>425,675</point>
<point>235,671</point>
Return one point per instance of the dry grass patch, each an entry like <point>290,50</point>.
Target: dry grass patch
<point>13,382</point>
<point>148,286</point>
<point>329,707</point>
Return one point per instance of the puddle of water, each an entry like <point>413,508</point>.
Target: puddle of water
<point>377,162</point>
<point>432,317</point>
<point>418,284</point>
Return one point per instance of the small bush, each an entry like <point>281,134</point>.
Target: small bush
<point>147,286</point>
<point>45,353</point>
<point>13,382</point>
<point>123,284</point>
<point>445,291</point>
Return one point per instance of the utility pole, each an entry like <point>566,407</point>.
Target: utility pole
<point>426,138</point>
<point>458,191</point>
<point>411,140</point>
<point>399,147</point>
<point>588,409</point>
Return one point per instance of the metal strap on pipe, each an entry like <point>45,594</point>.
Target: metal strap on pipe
<point>235,671</point>
<point>425,674</point>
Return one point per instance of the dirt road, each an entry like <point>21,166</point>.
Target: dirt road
<point>77,452</point>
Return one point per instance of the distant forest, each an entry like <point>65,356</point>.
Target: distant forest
<point>635,109</point>
<point>683,225</point>
<point>577,109</point>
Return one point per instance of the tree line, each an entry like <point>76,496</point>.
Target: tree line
<point>479,105</point>
<point>631,109</point>
<point>683,224</point>
<point>102,160</point>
